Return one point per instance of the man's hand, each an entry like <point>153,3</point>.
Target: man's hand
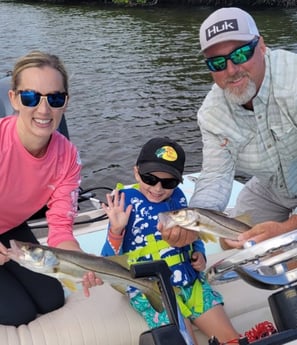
<point>177,236</point>
<point>258,233</point>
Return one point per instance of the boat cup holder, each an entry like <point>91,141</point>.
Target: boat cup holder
<point>271,265</point>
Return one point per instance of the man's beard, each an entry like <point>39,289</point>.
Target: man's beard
<point>244,97</point>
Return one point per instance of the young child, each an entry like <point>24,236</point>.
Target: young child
<point>133,217</point>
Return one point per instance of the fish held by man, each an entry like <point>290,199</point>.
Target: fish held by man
<point>69,267</point>
<point>210,224</point>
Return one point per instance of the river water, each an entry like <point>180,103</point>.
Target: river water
<point>135,73</point>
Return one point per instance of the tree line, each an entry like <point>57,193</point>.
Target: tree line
<point>215,3</point>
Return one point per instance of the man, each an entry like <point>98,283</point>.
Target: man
<point>248,122</point>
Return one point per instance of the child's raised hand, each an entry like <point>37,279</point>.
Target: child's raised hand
<point>118,216</point>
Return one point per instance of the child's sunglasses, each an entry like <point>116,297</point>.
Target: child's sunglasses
<point>31,98</point>
<point>238,56</point>
<point>152,180</point>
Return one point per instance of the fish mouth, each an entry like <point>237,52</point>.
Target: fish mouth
<point>14,252</point>
<point>32,257</point>
<point>178,217</point>
<point>165,220</point>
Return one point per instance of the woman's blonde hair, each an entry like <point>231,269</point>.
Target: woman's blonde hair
<point>38,59</point>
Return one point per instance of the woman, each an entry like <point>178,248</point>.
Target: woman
<point>39,166</point>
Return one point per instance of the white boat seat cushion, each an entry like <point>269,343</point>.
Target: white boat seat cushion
<point>5,106</point>
<point>107,318</point>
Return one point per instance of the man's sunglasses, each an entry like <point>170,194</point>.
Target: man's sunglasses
<point>31,98</point>
<point>238,56</point>
<point>152,180</point>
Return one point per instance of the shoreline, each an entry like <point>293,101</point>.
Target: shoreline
<point>248,4</point>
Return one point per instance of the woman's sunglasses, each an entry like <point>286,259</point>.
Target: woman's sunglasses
<point>31,98</point>
<point>238,56</point>
<point>152,180</point>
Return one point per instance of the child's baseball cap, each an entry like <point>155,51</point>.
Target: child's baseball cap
<point>164,155</point>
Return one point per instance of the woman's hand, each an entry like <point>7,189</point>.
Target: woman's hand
<point>3,254</point>
<point>198,261</point>
<point>90,280</point>
<point>118,217</point>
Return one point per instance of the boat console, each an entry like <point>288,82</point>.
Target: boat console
<point>270,265</point>
<point>169,334</point>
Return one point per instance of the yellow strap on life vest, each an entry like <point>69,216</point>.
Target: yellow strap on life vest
<point>175,259</point>
<point>153,248</point>
<point>120,186</point>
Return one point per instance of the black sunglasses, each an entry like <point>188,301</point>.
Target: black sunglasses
<point>30,98</point>
<point>238,56</point>
<point>152,180</point>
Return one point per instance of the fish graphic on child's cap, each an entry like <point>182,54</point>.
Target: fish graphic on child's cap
<point>162,155</point>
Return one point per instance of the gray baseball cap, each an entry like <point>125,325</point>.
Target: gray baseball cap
<point>227,24</point>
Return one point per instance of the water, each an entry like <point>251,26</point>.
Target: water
<point>135,73</point>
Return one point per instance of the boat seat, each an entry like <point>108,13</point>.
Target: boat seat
<point>106,317</point>
<point>5,106</point>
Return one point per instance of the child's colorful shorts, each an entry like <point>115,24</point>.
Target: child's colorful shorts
<point>192,300</point>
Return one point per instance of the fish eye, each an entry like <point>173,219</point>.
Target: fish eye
<point>50,259</point>
<point>37,254</point>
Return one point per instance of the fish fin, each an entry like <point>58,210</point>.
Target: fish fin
<point>69,284</point>
<point>207,237</point>
<point>176,289</point>
<point>67,281</point>
<point>156,303</point>
<point>246,219</point>
<point>121,260</point>
<point>154,298</point>
<point>119,288</point>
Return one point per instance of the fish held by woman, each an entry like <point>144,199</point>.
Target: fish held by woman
<point>208,223</point>
<point>69,267</point>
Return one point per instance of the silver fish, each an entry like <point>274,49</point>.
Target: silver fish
<point>70,266</point>
<point>208,223</point>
